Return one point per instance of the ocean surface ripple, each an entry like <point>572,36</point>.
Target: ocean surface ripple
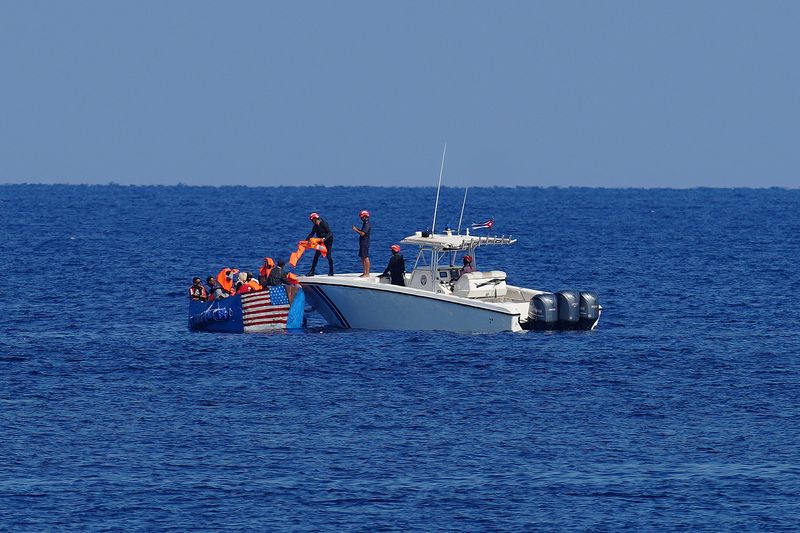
<point>680,412</point>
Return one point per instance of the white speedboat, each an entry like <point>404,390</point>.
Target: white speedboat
<point>436,297</point>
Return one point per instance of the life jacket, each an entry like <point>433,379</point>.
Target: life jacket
<point>224,281</point>
<point>266,268</point>
<point>317,243</point>
<point>244,288</point>
<point>254,284</point>
<point>292,277</point>
<point>198,293</point>
<point>314,243</point>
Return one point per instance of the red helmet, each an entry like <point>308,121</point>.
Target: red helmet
<point>363,213</point>
<point>468,258</point>
<point>313,216</point>
<point>396,248</point>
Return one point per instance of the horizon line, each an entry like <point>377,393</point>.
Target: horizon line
<point>329,186</point>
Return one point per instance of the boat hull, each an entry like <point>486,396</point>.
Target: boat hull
<point>349,304</point>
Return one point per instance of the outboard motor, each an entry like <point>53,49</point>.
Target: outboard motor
<point>590,309</point>
<point>568,309</point>
<point>543,312</point>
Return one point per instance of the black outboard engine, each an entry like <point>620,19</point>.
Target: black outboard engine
<point>568,310</point>
<point>590,310</point>
<point>543,312</point>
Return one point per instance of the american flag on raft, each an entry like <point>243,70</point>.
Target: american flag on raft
<point>488,224</point>
<point>265,310</point>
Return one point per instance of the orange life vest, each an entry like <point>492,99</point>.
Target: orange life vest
<point>198,292</point>
<point>314,243</point>
<point>267,267</point>
<point>244,288</point>
<point>224,281</point>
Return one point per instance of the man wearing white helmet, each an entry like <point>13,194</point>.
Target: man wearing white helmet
<point>363,241</point>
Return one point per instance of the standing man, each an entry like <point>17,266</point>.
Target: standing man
<point>321,230</point>
<point>396,269</point>
<point>363,241</point>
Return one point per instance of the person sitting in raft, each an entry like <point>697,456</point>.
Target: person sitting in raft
<point>266,268</point>
<point>225,279</point>
<point>215,292</point>
<point>396,268</point>
<point>253,282</point>
<point>278,276</point>
<point>197,292</point>
<point>241,284</point>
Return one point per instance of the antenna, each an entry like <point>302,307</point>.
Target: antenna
<point>464,203</point>
<point>436,207</point>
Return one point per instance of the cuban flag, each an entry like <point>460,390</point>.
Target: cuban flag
<point>488,224</point>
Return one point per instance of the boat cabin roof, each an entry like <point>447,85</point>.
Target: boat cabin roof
<point>450,242</point>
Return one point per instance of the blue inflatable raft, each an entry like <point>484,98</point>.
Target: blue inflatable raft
<point>254,312</point>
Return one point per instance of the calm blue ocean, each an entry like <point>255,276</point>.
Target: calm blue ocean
<point>680,412</point>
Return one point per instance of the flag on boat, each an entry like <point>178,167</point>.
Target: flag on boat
<point>488,224</point>
<point>265,310</point>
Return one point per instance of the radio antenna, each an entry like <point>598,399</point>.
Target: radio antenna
<point>436,207</point>
<point>461,217</point>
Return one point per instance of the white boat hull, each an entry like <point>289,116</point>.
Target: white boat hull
<point>349,302</point>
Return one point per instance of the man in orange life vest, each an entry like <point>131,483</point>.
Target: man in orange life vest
<point>253,282</point>
<point>266,268</point>
<point>225,279</point>
<point>246,283</point>
<point>322,231</point>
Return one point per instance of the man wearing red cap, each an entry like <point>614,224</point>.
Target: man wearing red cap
<point>323,231</point>
<point>396,268</point>
<point>468,266</point>
<point>363,241</point>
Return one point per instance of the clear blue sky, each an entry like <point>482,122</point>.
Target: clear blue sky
<point>607,93</point>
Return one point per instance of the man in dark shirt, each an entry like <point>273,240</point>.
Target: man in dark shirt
<point>277,276</point>
<point>215,292</point>
<point>363,241</point>
<point>323,231</point>
<point>396,268</point>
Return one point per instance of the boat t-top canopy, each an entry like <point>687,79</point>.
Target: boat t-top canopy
<point>447,242</point>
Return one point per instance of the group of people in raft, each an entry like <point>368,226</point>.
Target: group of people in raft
<point>230,281</point>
